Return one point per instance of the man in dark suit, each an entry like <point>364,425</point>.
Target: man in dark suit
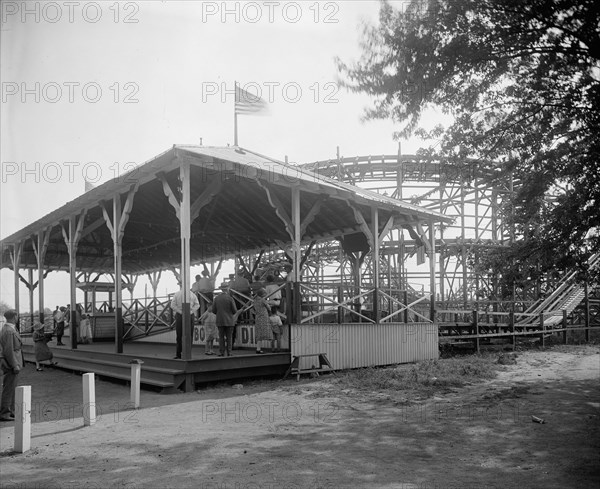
<point>227,313</point>
<point>11,363</point>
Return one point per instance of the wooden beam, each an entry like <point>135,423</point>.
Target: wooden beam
<point>126,211</point>
<point>107,220</point>
<point>310,216</point>
<point>169,193</point>
<point>256,262</point>
<point>424,239</point>
<point>279,209</point>
<point>387,228</point>
<point>93,226</point>
<point>360,220</point>
<point>307,254</point>
<point>213,188</point>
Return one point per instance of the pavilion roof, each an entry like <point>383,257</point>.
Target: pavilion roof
<point>243,201</point>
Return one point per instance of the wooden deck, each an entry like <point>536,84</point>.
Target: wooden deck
<point>159,369</point>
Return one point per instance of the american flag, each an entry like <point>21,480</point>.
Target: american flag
<point>249,103</point>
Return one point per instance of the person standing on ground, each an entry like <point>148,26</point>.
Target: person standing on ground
<point>209,321</point>
<point>177,306</point>
<point>60,325</point>
<point>11,363</point>
<point>54,316</point>
<point>262,325</point>
<point>40,346</point>
<point>225,309</point>
<point>85,330</point>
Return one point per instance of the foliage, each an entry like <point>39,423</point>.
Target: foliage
<point>521,80</point>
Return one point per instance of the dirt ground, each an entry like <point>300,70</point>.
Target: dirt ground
<point>314,434</point>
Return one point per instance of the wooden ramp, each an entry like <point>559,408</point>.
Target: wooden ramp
<point>160,370</point>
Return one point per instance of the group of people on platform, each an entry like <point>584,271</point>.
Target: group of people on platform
<point>62,318</point>
<point>256,301</point>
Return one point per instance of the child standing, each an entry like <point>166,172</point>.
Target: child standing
<point>209,320</point>
<point>276,327</point>
<point>85,329</point>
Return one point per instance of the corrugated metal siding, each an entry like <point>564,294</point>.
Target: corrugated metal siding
<point>356,345</point>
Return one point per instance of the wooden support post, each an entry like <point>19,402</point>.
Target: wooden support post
<point>89,399</point>
<point>587,312</point>
<point>118,252</point>
<point>23,418</point>
<point>564,325</point>
<point>432,270</point>
<point>340,309</point>
<point>297,303</point>
<point>405,300</point>
<point>476,327</point>
<point>185,228</point>
<point>30,287</point>
<point>375,258</point>
<point>16,259</point>
<point>296,225</point>
<point>43,238</point>
<point>73,240</point>
<point>542,330</point>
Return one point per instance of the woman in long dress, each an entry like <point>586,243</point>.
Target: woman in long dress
<point>262,325</point>
<point>40,346</point>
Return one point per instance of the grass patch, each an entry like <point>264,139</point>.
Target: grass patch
<point>425,378</point>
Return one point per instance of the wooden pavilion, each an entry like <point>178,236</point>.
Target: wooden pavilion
<point>195,204</point>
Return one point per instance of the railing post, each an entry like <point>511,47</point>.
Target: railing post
<point>587,312</point>
<point>297,303</point>
<point>476,324</point>
<point>542,329</point>
<point>405,300</point>
<point>432,307</point>
<point>511,326</point>
<point>340,310</point>
<point>564,325</point>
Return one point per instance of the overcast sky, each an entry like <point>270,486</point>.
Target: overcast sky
<point>91,88</point>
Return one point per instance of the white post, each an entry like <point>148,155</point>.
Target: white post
<point>23,419</point>
<point>89,400</point>
<point>136,375</point>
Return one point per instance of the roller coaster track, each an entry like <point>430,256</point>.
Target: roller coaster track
<point>567,295</point>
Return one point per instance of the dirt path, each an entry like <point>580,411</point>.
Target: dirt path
<point>310,435</point>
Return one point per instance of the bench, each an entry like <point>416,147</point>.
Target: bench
<point>294,367</point>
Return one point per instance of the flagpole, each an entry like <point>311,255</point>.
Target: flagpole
<point>235,125</point>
